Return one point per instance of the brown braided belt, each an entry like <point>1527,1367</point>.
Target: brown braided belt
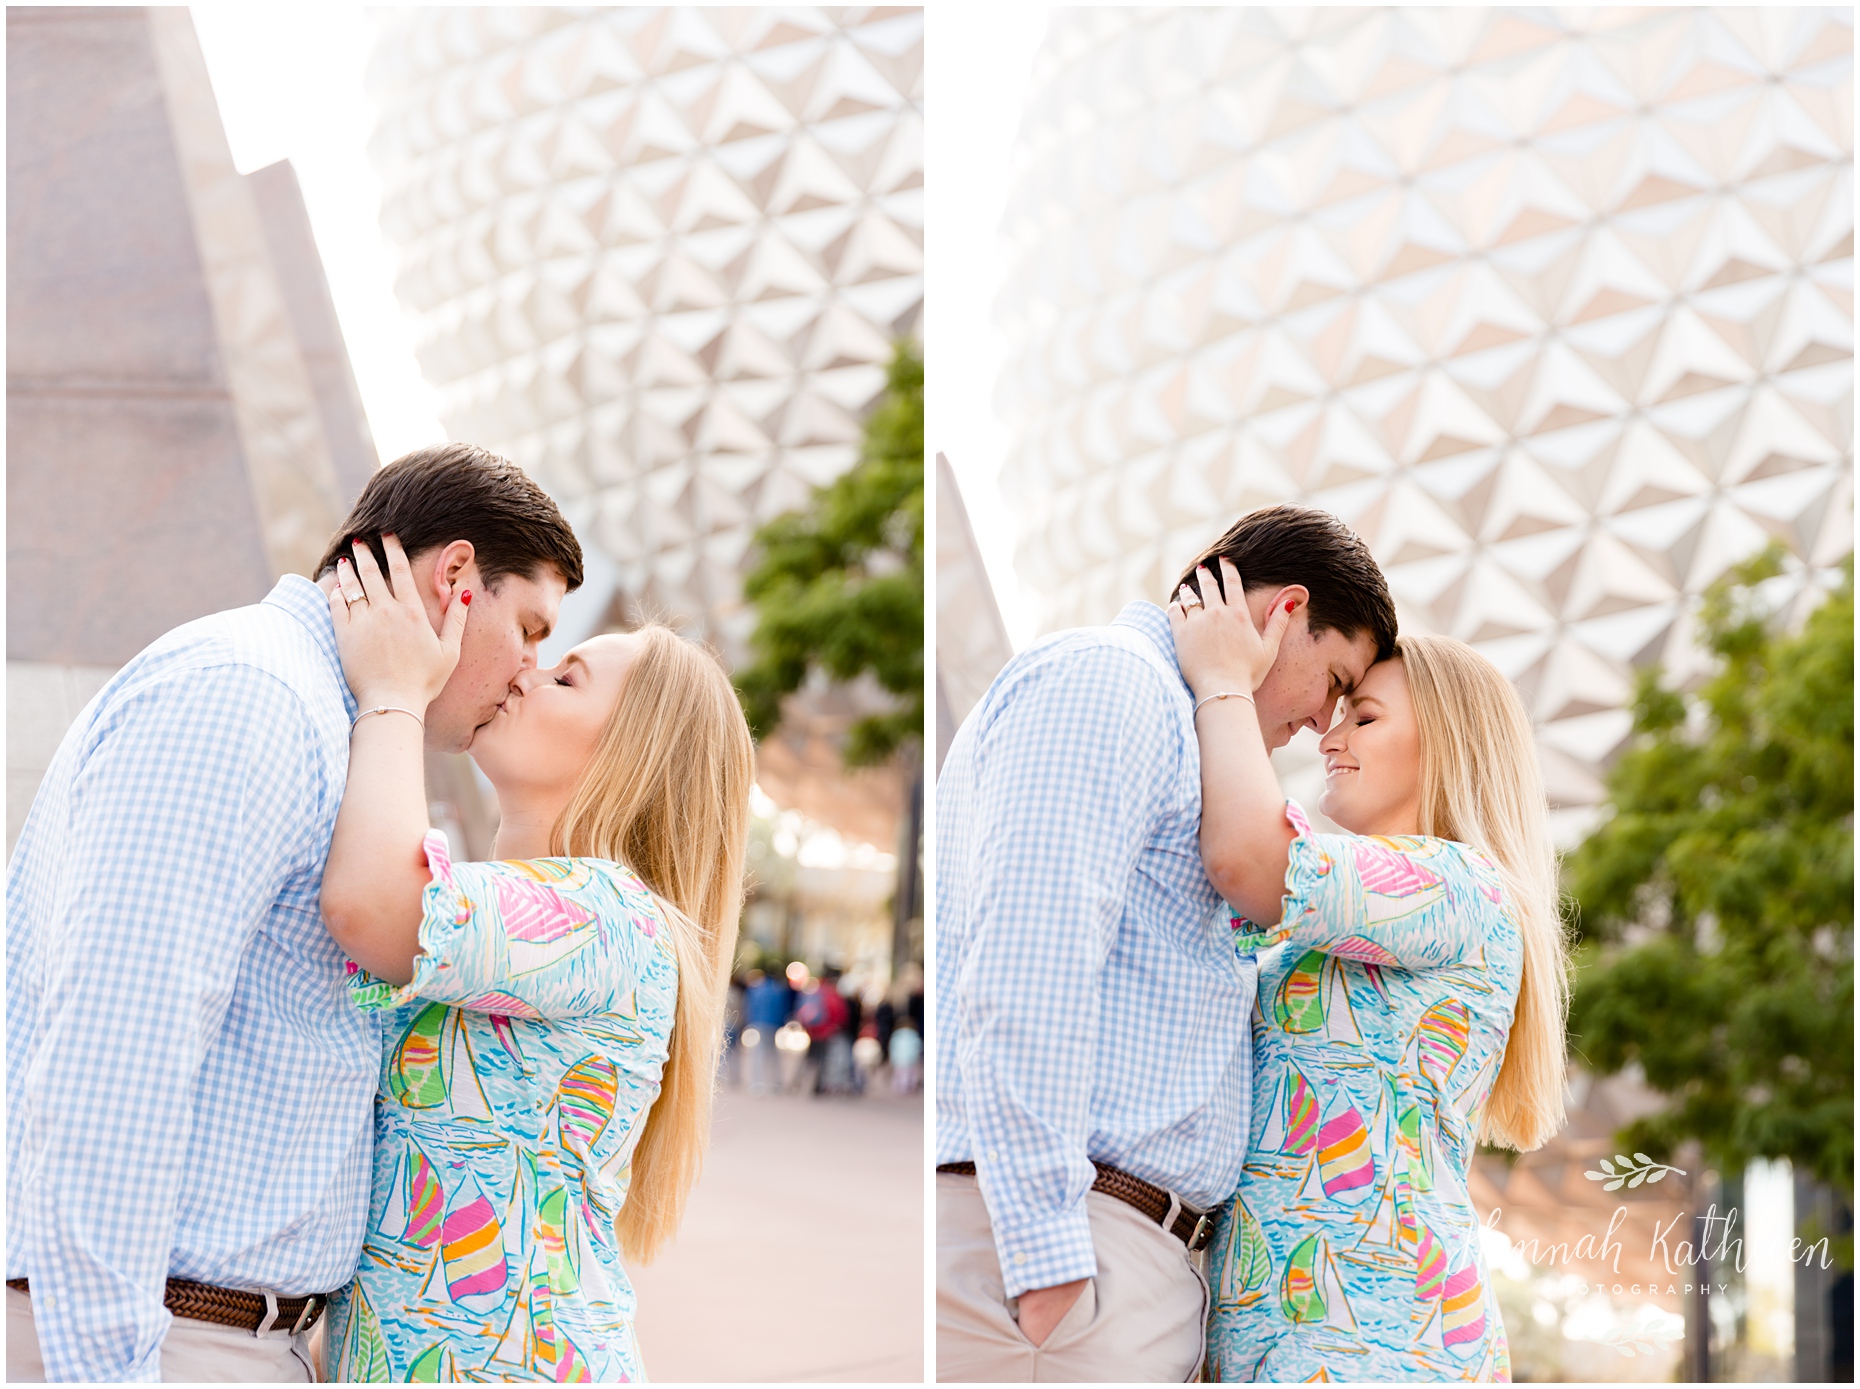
<point>1194,1228</point>
<point>259,1313</point>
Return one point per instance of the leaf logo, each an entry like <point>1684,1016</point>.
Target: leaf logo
<point>1649,1329</point>
<point>1630,1171</point>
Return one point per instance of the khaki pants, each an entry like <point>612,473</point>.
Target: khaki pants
<point>1143,1319</point>
<point>192,1352</point>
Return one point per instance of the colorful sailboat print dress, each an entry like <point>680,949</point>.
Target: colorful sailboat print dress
<point>517,1070</point>
<point>1351,1250</point>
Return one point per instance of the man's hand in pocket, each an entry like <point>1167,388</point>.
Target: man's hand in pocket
<point>1041,1309</point>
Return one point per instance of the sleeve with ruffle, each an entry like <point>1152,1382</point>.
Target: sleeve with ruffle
<point>498,938</point>
<point>1410,901</point>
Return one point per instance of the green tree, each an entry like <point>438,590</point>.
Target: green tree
<point>839,586</point>
<point>1715,903</point>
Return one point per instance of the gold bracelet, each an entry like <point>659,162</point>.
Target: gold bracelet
<point>1224,694</point>
<point>388,709</point>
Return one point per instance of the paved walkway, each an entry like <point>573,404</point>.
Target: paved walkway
<point>801,1254</point>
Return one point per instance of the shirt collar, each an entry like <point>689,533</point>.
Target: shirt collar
<point>307,603</point>
<point>1153,622</point>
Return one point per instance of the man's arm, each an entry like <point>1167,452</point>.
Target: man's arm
<point>1070,775</point>
<point>191,807</point>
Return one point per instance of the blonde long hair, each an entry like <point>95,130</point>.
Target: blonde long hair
<point>667,794</point>
<point>1480,785</point>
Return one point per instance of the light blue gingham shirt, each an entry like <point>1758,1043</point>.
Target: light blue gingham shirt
<point>189,1089</point>
<point>1090,1006</point>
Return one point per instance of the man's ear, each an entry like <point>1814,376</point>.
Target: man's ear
<point>1296,594</point>
<point>444,573</point>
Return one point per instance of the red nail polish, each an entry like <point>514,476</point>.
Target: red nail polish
<point>465,598</point>
<point>1290,603</point>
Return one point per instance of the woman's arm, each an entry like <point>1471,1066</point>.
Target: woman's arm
<point>1408,901</point>
<point>376,871</point>
<point>1244,833</point>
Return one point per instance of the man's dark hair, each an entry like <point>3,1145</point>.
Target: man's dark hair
<point>434,496</point>
<point>1296,545</point>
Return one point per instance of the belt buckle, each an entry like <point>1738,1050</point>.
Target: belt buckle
<point>1202,1233</point>
<point>269,1326</point>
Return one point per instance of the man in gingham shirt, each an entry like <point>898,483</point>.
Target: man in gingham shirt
<point>1092,1018</point>
<point>189,1088</point>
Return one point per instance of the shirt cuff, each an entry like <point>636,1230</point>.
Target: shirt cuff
<point>1044,1252</point>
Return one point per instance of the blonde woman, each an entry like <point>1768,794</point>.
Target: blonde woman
<point>550,1021</point>
<point>1412,985</point>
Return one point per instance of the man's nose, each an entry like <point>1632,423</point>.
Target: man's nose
<point>1330,739</point>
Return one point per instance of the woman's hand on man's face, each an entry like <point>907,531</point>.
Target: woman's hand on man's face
<point>390,652</point>
<point>1216,644</point>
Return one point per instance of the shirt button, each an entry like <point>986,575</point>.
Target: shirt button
<point>1020,1258</point>
<point>993,1155</point>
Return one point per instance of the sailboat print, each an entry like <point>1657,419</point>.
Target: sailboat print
<point>1440,1039</point>
<point>434,1365</point>
<point>393,1222</point>
<point>552,1232</point>
<point>1391,870</point>
<point>571,1366</point>
<point>1311,1291</point>
<point>585,1103</point>
<point>1389,1238</point>
<point>1301,1116</point>
<point>1244,1260</point>
<point>1384,1233</point>
<point>1373,974</point>
<point>1462,1312</point>
<point>617,1029</point>
<point>1311,1190</point>
<point>464,1088</point>
<point>516,1347</point>
<point>1417,1140</point>
<point>1299,1004</point>
<point>541,927</point>
<point>472,1249</point>
<point>1271,1137</point>
<point>1430,1264</point>
<point>1300,1297</point>
<point>1337,1313</point>
<point>364,1358</point>
<point>1407,1219</point>
<point>416,1076</point>
<point>1344,1158</point>
<point>1362,950</point>
<point>1339,1016</point>
<point>564,875</point>
<point>501,1007</point>
<point>1473,1094</point>
<point>415,1209</point>
<point>506,1034</point>
<point>542,1343</point>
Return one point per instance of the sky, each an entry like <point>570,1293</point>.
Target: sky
<point>289,82</point>
<point>986,52</point>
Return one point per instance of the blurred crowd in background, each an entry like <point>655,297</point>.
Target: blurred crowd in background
<point>789,1030</point>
